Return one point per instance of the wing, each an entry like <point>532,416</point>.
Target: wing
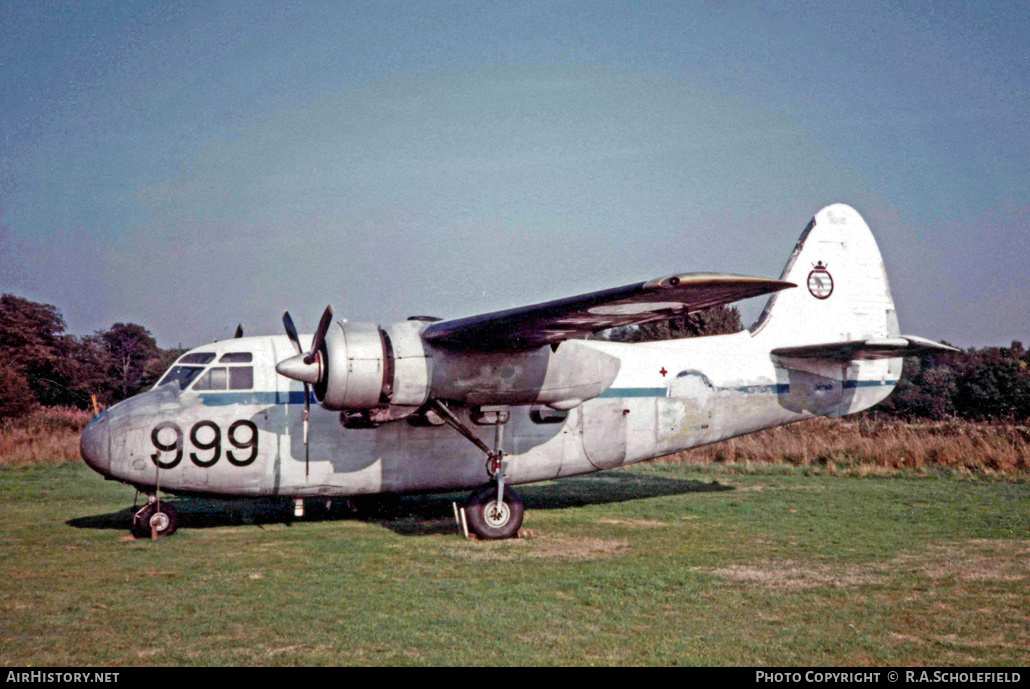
<point>554,321</point>
<point>877,348</point>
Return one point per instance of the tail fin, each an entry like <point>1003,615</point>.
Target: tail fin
<point>837,334</point>
<point>842,294</point>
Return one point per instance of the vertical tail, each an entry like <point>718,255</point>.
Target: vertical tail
<point>842,305</point>
<point>836,335</point>
<point>842,294</point>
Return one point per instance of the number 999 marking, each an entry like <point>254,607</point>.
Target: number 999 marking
<point>252,443</point>
<point>155,437</point>
<point>240,440</point>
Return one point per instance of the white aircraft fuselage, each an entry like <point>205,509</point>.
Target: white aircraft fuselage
<point>668,396</point>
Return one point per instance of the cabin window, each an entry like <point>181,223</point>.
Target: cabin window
<point>222,378</point>
<point>182,375</point>
<point>198,358</point>
<point>241,377</point>
<point>215,379</point>
<point>236,358</point>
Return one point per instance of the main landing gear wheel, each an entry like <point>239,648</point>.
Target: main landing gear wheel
<point>162,517</point>
<point>491,520</point>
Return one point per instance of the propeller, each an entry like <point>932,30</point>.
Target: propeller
<point>307,368</point>
<point>319,338</point>
<point>239,331</point>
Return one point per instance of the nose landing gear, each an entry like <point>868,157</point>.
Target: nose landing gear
<point>156,517</point>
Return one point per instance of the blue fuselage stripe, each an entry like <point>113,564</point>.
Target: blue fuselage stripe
<point>222,399</point>
<point>635,392</point>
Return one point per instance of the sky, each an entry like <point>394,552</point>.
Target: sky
<point>190,166</point>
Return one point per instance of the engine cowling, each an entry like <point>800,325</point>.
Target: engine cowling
<point>356,364</point>
<point>363,366</point>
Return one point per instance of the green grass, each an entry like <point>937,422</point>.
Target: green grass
<point>667,564</point>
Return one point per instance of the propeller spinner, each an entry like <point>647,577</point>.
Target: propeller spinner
<point>306,367</point>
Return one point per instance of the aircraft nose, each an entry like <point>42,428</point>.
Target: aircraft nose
<point>94,445</point>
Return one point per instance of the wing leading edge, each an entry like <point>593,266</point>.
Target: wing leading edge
<point>552,322</point>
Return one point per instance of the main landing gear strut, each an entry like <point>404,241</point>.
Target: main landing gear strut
<point>494,512</point>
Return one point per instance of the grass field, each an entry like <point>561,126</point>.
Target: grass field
<point>670,564</point>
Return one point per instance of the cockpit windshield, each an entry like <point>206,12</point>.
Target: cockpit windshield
<point>183,375</point>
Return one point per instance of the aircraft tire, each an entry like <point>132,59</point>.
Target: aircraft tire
<point>488,521</point>
<point>166,519</point>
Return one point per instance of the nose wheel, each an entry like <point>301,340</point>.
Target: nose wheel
<point>155,517</point>
<point>492,519</point>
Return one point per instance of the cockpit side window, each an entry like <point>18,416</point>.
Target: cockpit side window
<point>222,378</point>
<point>215,379</point>
<point>182,375</point>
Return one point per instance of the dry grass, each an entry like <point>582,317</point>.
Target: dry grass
<point>975,560</point>
<point>46,436</point>
<point>869,444</point>
<point>792,576</point>
<point>551,546</point>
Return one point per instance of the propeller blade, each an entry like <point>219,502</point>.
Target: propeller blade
<point>291,331</point>
<point>239,331</point>
<point>307,416</point>
<point>300,367</point>
<point>323,328</point>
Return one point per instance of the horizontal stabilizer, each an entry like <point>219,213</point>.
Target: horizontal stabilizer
<point>875,348</point>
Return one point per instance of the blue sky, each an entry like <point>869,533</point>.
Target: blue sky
<point>189,166</point>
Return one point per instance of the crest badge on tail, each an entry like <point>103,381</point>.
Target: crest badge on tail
<point>820,282</point>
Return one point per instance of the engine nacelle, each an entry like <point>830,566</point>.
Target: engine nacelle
<point>561,378</point>
<point>366,367</point>
<point>356,360</point>
<point>388,374</point>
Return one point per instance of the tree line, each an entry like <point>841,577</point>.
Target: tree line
<point>41,365</point>
<point>988,384</point>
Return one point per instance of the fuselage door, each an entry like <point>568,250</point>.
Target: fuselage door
<point>604,432</point>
